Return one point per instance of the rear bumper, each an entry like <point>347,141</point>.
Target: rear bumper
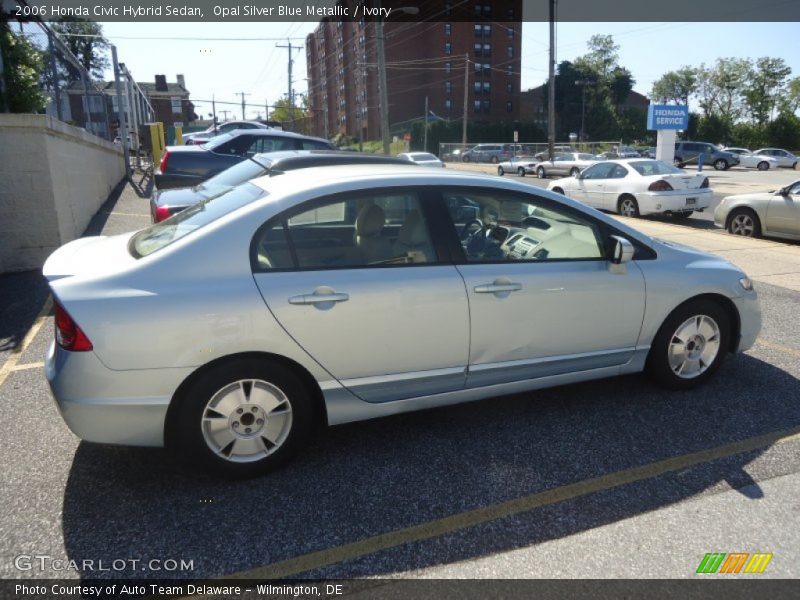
<point>677,201</point>
<point>110,407</point>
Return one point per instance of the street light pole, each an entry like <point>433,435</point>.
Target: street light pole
<point>583,83</point>
<point>551,86</point>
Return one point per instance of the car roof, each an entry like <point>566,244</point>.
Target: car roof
<point>286,160</point>
<point>270,132</point>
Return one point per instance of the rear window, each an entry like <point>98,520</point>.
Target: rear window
<point>653,167</point>
<point>162,234</point>
<point>238,173</point>
<point>217,140</point>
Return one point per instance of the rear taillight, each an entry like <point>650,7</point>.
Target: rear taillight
<point>162,212</point>
<point>163,165</point>
<point>660,186</point>
<point>68,335</point>
<point>704,184</point>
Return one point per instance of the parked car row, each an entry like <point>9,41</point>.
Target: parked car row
<point>233,329</point>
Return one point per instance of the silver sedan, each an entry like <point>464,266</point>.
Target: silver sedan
<point>565,163</point>
<point>233,329</point>
<point>774,214</point>
<point>521,165</point>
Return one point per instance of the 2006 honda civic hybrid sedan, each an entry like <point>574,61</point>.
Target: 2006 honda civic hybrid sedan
<point>336,294</point>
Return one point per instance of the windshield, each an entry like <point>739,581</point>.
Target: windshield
<point>217,140</point>
<point>183,223</point>
<point>238,173</point>
<point>654,167</point>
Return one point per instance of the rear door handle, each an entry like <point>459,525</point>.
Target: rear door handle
<point>319,298</point>
<point>495,288</point>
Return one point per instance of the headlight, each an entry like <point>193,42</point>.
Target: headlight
<point>746,284</point>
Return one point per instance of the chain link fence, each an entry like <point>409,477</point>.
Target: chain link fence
<point>499,151</point>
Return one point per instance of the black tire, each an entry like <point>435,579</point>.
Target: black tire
<point>721,164</point>
<point>521,171</point>
<point>744,222</point>
<point>574,171</point>
<point>763,166</point>
<point>627,206</point>
<point>658,360</point>
<point>465,158</point>
<point>541,173</point>
<point>558,190</point>
<point>682,215</point>
<point>501,171</point>
<point>188,430</point>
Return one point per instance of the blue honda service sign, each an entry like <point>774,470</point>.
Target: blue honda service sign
<point>668,116</point>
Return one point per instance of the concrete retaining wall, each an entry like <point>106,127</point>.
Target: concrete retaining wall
<point>53,179</point>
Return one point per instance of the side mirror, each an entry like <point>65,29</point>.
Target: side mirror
<point>623,251</point>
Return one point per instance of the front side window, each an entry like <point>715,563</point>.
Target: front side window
<point>380,229</point>
<point>497,226</point>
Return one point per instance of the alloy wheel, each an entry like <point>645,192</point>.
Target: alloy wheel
<point>694,346</point>
<point>743,224</point>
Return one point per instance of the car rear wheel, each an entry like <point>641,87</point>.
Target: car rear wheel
<point>521,172</point>
<point>500,171</point>
<point>628,207</point>
<point>763,166</point>
<point>690,345</point>
<point>744,222</point>
<point>559,190</point>
<point>243,418</point>
<point>721,164</point>
<point>540,173</point>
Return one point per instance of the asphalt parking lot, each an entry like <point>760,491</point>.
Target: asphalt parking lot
<point>614,478</point>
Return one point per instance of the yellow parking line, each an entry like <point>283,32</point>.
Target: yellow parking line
<point>16,354</point>
<point>775,346</point>
<point>36,365</point>
<point>471,518</point>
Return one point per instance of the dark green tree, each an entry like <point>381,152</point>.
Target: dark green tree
<point>85,40</point>
<point>22,67</point>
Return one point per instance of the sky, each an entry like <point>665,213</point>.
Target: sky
<point>239,63</point>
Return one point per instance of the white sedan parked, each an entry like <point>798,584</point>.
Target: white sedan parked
<point>636,187</point>
<point>748,159</point>
<point>521,165</point>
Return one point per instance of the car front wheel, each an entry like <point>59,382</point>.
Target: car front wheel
<point>690,345</point>
<point>540,173</point>
<point>744,222</point>
<point>521,172</point>
<point>501,171</point>
<point>763,166</point>
<point>721,164</point>
<point>243,418</point>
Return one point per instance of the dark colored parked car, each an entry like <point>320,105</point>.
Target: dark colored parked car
<point>165,203</point>
<point>689,152</point>
<point>185,166</point>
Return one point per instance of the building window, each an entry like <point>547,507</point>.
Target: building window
<point>448,48</point>
<point>510,14</point>
<point>448,9</point>
<point>477,10</point>
<point>486,106</point>
<point>477,105</point>
<point>511,52</point>
<point>487,10</point>
<point>509,69</point>
<point>176,105</point>
<point>476,86</point>
<point>448,87</point>
<point>487,86</point>
<point>477,50</point>
<point>510,31</point>
<point>478,30</point>
<point>487,50</point>
<point>510,87</point>
<point>448,28</point>
<point>509,106</point>
<point>448,68</point>
<point>487,31</point>
<point>448,104</point>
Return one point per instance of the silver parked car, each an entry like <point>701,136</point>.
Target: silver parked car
<point>784,157</point>
<point>338,294</point>
<point>565,163</point>
<point>521,165</point>
<point>774,214</point>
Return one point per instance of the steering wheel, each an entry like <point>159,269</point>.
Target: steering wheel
<point>472,236</point>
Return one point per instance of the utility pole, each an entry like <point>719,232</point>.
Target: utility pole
<point>583,83</point>
<point>466,104</point>
<point>123,124</point>
<point>289,95</point>
<point>242,94</point>
<point>425,137</point>
<point>551,86</point>
<point>266,109</point>
<point>384,93</point>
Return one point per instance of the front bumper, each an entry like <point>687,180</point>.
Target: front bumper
<point>110,407</point>
<point>749,319</point>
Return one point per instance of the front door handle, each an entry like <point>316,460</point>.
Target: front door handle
<point>321,295</point>
<point>498,287</point>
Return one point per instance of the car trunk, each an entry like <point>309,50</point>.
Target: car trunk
<point>89,256</point>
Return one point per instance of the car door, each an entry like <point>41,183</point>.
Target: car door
<point>356,280</point>
<point>591,182</point>
<point>542,298</point>
<point>783,212</point>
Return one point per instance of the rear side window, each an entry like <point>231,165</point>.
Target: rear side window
<point>163,234</point>
<point>316,145</point>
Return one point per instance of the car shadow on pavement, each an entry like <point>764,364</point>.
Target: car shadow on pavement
<point>22,296</point>
<point>365,479</point>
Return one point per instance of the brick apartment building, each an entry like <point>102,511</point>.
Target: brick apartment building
<point>424,57</point>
